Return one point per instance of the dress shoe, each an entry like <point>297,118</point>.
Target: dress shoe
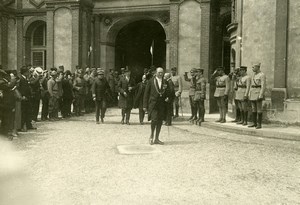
<point>141,123</point>
<point>127,123</point>
<point>97,122</point>
<point>223,121</point>
<point>159,142</point>
<point>151,140</point>
<point>122,122</point>
<point>31,128</point>
<point>102,120</point>
<point>219,120</point>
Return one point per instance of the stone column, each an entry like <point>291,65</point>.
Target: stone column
<point>174,32</point>
<point>84,42</point>
<point>167,54</point>
<point>4,41</point>
<point>239,19</point>
<point>75,37</point>
<point>92,40</point>
<point>281,46</point>
<point>50,37</point>
<point>97,40</point>
<point>205,37</point>
<point>20,42</point>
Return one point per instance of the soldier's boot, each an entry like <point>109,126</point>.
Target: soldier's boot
<point>202,115</point>
<point>245,118</point>
<point>123,116</point>
<point>241,119</point>
<point>259,120</point>
<point>224,116</point>
<point>176,111</point>
<point>254,119</point>
<point>128,117</point>
<point>237,115</point>
<point>221,115</point>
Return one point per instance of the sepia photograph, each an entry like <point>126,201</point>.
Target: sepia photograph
<point>149,102</point>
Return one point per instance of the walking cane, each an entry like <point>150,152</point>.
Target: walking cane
<point>181,106</point>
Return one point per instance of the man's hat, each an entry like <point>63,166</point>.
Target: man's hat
<point>123,69</point>
<point>220,68</point>
<point>53,72</point>
<point>243,68</point>
<point>193,70</point>
<point>38,70</point>
<point>24,69</point>
<point>256,64</point>
<point>200,70</point>
<point>100,71</point>
<point>174,69</point>
<point>127,70</point>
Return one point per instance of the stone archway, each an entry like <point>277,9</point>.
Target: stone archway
<point>108,50</point>
<point>35,43</point>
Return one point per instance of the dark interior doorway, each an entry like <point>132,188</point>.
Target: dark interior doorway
<point>134,43</point>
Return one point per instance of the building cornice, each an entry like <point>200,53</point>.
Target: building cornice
<point>133,9</point>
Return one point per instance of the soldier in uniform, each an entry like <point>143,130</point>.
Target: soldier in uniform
<point>68,95</point>
<point>176,79</point>
<point>79,92</point>
<point>200,95</point>
<point>53,91</point>
<point>156,97</point>
<point>233,76</point>
<point>241,96</point>
<point>171,95</point>
<point>192,81</point>
<point>100,90</point>
<point>221,92</point>
<point>256,95</point>
<point>126,87</point>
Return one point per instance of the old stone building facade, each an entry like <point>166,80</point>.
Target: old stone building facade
<point>168,33</point>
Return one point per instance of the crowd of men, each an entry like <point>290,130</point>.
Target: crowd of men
<point>157,94</point>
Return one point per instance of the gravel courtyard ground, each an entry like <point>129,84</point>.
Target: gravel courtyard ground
<point>76,161</point>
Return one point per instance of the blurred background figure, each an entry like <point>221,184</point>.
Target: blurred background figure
<point>171,96</point>
<point>35,85</point>
<point>177,81</point>
<point>139,96</point>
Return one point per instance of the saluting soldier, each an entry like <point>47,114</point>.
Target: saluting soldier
<point>221,92</point>
<point>243,86</point>
<point>257,95</point>
<point>177,81</point>
<point>200,95</point>
<point>192,81</point>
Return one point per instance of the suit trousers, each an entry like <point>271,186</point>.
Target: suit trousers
<point>100,108</point>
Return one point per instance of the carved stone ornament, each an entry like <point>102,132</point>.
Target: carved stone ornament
<point>7,2</point>
<point>107,20</point>
<point>165,18</point>
<point>37,3</point>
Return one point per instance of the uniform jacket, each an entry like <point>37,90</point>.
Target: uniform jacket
<point>177,83</point>
<point>258,86</point>
<point>243,87</point>
<point>100,89</point>
<point>139,96</point>
<point>200,91</point>
<point>123,85</point>
<point>52,86</point>
<point>192,81</point>
<point>222,86</point>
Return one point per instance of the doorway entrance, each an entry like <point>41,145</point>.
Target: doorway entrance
<point>140,44</point>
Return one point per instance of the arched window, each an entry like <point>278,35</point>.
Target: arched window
<point>38,46</point>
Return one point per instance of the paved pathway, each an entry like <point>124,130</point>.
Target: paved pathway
<point>77,162</point>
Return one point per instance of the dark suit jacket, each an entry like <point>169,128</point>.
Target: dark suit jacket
<point>154,98</point>
<point>24,87</point>
<point>126,102</point>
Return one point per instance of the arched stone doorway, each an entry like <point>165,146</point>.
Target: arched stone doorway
<point>35,44</point>
<point>140,45</point>
<point>126,41</point>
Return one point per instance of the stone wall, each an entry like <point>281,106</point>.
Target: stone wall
<point>189,36</point>
<point>293,83</point>
<point>12,44</point>
<point>258,37</point>
<point>63,38</point>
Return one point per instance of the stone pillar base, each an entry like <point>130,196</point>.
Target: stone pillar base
<point>278,97</point>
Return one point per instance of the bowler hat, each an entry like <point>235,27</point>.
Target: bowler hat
<point>193,70</point>
<point>243,67</point>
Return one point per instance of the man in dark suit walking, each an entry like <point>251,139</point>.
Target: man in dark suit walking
<point>156,97</point>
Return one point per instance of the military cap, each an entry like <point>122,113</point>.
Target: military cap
<point>193,70</point>
<point>24,69</point>
<point>220,68</point>
<point>174,69</point>
<point>243,67</point>
<point>200,70</point>
<point>256,64</point>
<point>53,72</point>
